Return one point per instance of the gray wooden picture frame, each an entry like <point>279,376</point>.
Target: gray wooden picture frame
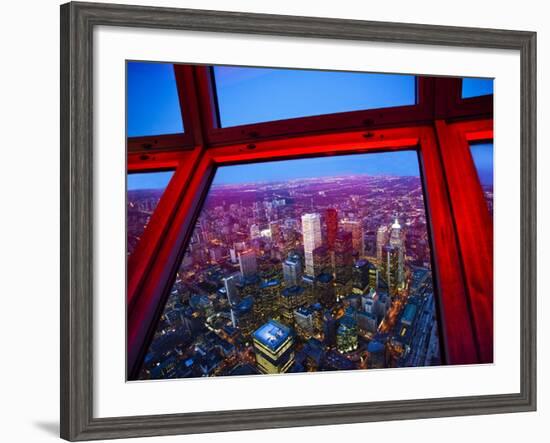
<point>77,23</point>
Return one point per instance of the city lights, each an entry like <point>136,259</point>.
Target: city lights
<point>301,274</point>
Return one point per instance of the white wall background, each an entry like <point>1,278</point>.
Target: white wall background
<point>29,220</point>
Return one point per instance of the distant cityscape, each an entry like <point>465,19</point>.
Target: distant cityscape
<point>299,275</point>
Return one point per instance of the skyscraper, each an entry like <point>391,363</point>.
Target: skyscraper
<point>321,260</point>
<point>304,322</point>
<point>291,298</point>
<point>343,258</point>
<point>332,227</point>
<point>373,276</point>
<point>230,285</point>
<point>357,235</point>
<point>346,335</point>
<point>360,274</point>
<point>396,241</point>
<point>248,263</point>
<point>392,269</point>
<point>292,270</point>
<point>311,232</point>
<point>381,240</point>
<point>273,347</point>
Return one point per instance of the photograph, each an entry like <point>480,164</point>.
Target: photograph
<point>305,263</point>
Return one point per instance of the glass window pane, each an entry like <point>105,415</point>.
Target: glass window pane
<point>254,95</point>
<point>303,265</point>
<point>482,153</point>
<point>144,192</point>
<point>153,106</point>
<point>475,87</point>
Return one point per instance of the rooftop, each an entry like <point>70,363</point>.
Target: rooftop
<point>272,334</point>
<point>269,284</point>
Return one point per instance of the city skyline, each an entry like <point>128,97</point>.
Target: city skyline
<point>301,275</point>
<point>398,163</point>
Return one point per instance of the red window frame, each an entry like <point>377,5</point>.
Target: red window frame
<point>439,127</point>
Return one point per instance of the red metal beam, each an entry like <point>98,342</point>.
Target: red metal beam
<point>141,260</point>
<point>459,343</point>
<point>148,295</point>
<point>474,225</point>
<point>420,113</point>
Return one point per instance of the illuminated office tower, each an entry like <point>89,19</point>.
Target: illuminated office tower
<point>391,268</point>
<point>304,320</point>
<point>231,291</point>
<point>292,270</point>
<point>346,335</point>
<point>273,347</point>
<point>360,275</point>
<point>248,263</point>
<point>357,235</point>
<point>242,316</point>
<point>343,258</point>
<point>373,275</point>
<point>311,293</point>
<point>233,255</point>
<point>332,227</point>
<point>267,299</point>
<point>289,240</point>
<point>397,241</point>
<point>367,324</point>
<point>311,232</point>
<point>321,260</point>
<point>291,298</point>
<point>381,240</point>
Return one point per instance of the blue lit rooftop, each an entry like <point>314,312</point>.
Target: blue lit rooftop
<point>272,334</point>
<point>269,284</point>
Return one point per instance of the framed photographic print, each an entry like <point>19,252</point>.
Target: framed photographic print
<point>273,221</point>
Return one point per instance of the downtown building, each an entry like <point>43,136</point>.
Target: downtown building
<point>273,347</point>
<point>312,239</point>
<point>248,263</point>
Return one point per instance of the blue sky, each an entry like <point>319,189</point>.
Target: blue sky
<point>474,87</point>
<point>482,153</point>
<point>253,95</point>
<point>148,180</point>
<point>153,105</point>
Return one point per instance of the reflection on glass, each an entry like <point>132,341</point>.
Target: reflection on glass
<point>253,95</point>
<point>153,106</point>
<point>317,264</point>
<point>475,87</point>
<point>144,192</point>
<point>482,154</point>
